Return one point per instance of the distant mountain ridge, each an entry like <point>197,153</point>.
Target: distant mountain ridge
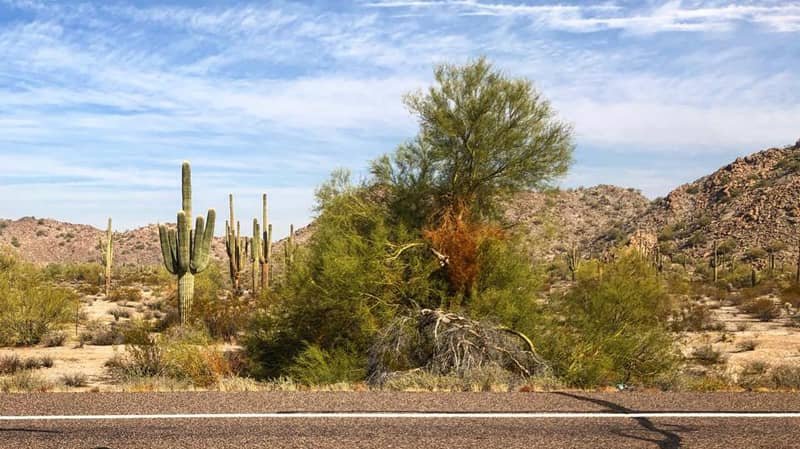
<point>752,203</point>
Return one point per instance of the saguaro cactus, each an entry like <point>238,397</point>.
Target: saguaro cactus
<point>288,250</point>
<point>107,254</point>
<point>266,242</point>
<point>186,251</point>
<point>573,260</point>
<point>255,254</point>
<point>715,262</point>
<point>235,246</point>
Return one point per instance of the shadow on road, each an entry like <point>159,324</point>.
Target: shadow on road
<point>668,438</point>
<point>26,430</point>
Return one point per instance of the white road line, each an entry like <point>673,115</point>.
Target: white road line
<point>408,415</point>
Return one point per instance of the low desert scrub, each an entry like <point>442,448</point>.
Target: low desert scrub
<point>785,377</point>
<point>99,333</point>
<point>184,354</point>
<point>765,309</point>
<point>75,380</point>
<point>707,355</point>
<point>54,339</point>
<point>119,312</point>
<point>125,295</point>
<point>747,345</point>
<point>25,381</point>
<point>694,318</point>
<point>10,364</point>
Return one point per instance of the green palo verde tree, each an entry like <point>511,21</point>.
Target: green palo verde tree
<point>483,136</point>
<point>186,251</point>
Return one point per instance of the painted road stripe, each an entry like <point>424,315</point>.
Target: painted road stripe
<point>408,415</point>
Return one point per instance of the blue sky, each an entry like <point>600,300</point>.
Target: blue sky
<point>101,101</point>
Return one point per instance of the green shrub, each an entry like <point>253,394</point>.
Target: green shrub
<point>30,306</point>
<point>315,366</point>
<point>611,327</point>
<point>785,377</point>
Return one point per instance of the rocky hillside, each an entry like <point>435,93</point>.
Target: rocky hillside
<point>750,204</point>
<point>45,241</point>
<point>593,218</point>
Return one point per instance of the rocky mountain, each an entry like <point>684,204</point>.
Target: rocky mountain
<point>593,219</point>
<point>752,205</point>
<point>44,241</point>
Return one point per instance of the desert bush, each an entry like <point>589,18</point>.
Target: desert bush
<point>30,306</point>
<point>119,312</point>
<point>707,355</point>
<point>315,366</point>
<point>785,377</point>
<point>765,309</point>
<point>75,380</point>
<point>125,295</point>
<point>99,333</point>
<point>9,364</point>
<point>747,345</point>
<point>224,314</point>
<point>693,318</point>
<point>54,339</point>
<point>182,354</point>
<point>90,273</point>
<point>25,381</point>
<point>612,327</point>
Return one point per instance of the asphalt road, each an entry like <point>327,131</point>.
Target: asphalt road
<point>271,420</point>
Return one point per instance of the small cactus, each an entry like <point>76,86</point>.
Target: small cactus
<point>266,242</point>
<point>186,252</point>
<point>573,260</point>
<point>107,254</point>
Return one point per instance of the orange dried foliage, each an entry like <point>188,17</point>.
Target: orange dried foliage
<point>459,238</point>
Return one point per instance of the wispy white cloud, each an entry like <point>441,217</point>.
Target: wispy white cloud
<point>671,16</point>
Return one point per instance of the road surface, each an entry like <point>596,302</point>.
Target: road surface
<point>400,420</point>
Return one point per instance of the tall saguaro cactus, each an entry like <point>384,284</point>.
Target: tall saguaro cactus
<point>107,253</point>
<point>256,256</point>
<point>235,246</point>
<point>573,260</point>
<point>266,242</point>
<point>186,251</point>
